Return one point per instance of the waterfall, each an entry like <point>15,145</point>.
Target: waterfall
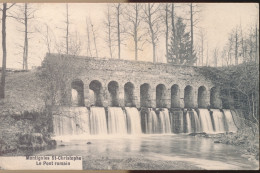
<point>205,121</point>
<point>176,119</point>
<point>71,121</point>
<point>133,120</point>
<point>98,124</point>
<point>231,127</point>
<point>116,121</point>
<point>187,122</point>
<point>150,122</point>
<point>164,121</point>
<point>192,122</point>
<point>81,121</point>
<point>218,120</point>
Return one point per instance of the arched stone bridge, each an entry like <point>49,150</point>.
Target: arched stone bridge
<point>113,82</point>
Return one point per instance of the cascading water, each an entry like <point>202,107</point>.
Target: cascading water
<point>79,120</point>
<point>231,127</point>
<point>164,121</point>
<point>98,123</point>
<point>187,122</point>
<point>205,121</point>
<point>116,121</point>
<point>133,120</point>
<point>192,122</point>
<point>150,122</point>
<point>218,120</point>
<point>71,121</point>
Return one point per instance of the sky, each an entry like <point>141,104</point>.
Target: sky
<point>217,19</point>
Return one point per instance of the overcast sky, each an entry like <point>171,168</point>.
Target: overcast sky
<point>217,19</point>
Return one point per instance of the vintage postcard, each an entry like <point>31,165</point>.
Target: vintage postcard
<point>129,86</point>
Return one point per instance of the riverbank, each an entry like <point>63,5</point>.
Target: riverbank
<point>247,142</point>
<point>137,162</point>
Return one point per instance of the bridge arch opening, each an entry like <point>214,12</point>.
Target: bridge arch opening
<point>145,96</point>
<point>215,101</point>
<point>113,91</point>
<point>97,88</point>
<point>77,93</point>
<point>175,96</point>
<point>160,96</point>
<point>129,94</point>
<point>188,97</point>
<point>202,97</point>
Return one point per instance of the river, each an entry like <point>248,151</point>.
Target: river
<point>197,151</point>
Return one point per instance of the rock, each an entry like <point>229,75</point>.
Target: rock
<point>217,142</point>
<point>89,143</point>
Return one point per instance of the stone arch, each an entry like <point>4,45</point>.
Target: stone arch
<point>129,94</point>
<point>175,96</point>
<point>113,89</point>
<point>215,101</point>
<point>97,88</point>
<point>202,97</point>
<point>160,96</point>
<point>77,93</point>
<point>188,97</point>
<point>145,95</point>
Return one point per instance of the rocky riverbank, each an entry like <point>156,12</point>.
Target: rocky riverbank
<point>244,139</point>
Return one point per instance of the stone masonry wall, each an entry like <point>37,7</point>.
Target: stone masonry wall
<point>136,72</point>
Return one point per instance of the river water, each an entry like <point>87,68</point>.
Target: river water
<point>201,152</point>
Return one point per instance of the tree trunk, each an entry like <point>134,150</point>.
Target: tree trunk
<point>173,29</point>
<point>2,89</point>
<point>236,48</point>
<point>94,37</point>
<point>25,51</point>
<point>191,29</point>
<point>88,47</point>
<point>152,32</point>
<point>256,47</point>
<point>207,62</point>
<point>109,33</point>
<point>67,29</point>
<point>202,49</point>
<point>118,31</point>
<point>167,31</point>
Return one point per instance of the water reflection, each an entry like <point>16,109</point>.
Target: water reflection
<point>180,147</point>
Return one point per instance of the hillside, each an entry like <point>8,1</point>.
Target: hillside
<point>24,92</point>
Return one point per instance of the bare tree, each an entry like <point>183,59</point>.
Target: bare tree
<point>4,15</point>
<point>153,20</point>
<point>118,25</point>
<point>24,15</point>
<point>108,25</point>
<point>133,15</point>
<point>47,36</point>
<point>215,56</point>
<point>166,30</point>
<point>67,29</point>
<point>194,10</point>
<point>256,45</point>
<point>94,36</point>
<point>202,36</point>
<point>88,40</point>
<point>236,46</point>
<point>207,61</point>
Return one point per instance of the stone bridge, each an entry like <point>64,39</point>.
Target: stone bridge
<point>113,82</point>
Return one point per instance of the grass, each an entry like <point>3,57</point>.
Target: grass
<point>23,92</point>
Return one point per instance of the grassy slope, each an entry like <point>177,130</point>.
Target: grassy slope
<point>23,93</point>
